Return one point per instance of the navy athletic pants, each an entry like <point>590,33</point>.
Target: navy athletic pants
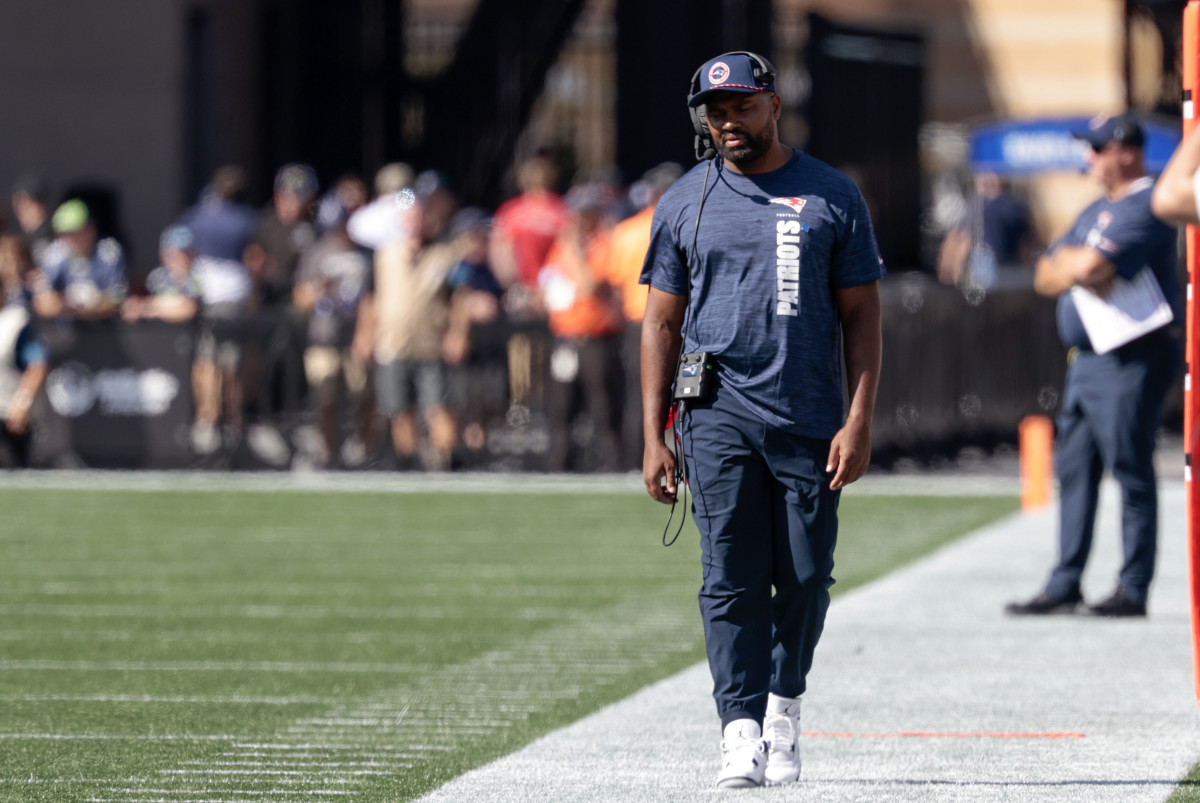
<point>1110,414</point>
<point>767,518</point>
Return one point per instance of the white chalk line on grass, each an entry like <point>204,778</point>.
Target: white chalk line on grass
<point>214,637</point>
<point>262,792</point>
<point>216,666</point>
<point>252,762</point>
<point>182,700</point>
<point>273,612</point>
<point>249,793</point>
<point>441,709</point>
<point>196,799</point>
<point>213,799</point>
<point>303,775</point>
<point>346,746</point>
<point>953,484</point>
<point>299,754</point>
<point>189,800</point>
<point>134,737</point>
<point>118,581</point>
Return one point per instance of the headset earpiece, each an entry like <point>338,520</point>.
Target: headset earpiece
<point>703,143</point>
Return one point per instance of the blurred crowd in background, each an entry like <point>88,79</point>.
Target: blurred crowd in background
<point>401,319</point>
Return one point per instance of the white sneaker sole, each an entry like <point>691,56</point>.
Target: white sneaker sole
<point>781,781</point>
<point>738,783</point>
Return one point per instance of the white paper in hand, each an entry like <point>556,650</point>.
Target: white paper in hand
<point>1134,308</point>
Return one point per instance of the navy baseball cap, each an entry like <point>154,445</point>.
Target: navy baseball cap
<point>730,72</point>
<point>1123,128</point>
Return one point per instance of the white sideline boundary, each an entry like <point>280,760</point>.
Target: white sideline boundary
<point>926,649</point>
<point>991,484</point>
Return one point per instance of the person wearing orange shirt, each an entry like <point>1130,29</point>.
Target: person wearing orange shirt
<point>630,241</point>
<point>577,290</point>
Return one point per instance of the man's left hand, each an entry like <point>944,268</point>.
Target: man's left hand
<point>849,454</point>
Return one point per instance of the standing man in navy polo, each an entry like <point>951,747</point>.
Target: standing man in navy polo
<point>764,258</point>
<point>1112,405</point>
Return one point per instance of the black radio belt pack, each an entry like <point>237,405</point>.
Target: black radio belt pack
<point>696,376</point>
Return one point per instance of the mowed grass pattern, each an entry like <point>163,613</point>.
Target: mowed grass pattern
<point>171,646</point>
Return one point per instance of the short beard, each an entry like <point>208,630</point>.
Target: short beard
<point>747,153</point>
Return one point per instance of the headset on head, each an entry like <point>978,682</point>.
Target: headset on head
<point>764,73</point>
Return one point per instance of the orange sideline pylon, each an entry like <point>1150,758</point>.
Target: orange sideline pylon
<point>1191,68</point>
<point>1036,436</point>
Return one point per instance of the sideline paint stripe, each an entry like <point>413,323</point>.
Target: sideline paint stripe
<point>875,483</point>
<point>275,612</point>
<point>146,698</point>
<point>205,799</point>
<point>945,735</point>
<point>322,774</point>
<point>133,791</point>
<point>164,737</point>
<point>259,793</point>
<point>216,666</point>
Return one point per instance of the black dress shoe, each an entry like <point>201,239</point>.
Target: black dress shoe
<point>1118,605</point>
<point>1045,604</point>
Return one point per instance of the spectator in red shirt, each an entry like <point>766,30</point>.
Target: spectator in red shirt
<point>524,230</point>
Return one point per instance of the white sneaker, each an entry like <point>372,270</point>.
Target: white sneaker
<point>266,442</point>
<point>782,734</point>
<point>205,439</point>
<point>743,755</point>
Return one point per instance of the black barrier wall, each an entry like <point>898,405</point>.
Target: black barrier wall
<point>118,395</point>
<point>958,370</point>
<point>963,369</point>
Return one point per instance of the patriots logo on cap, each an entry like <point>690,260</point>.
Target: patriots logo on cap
<point>718,73</point>
<point>795,203</point>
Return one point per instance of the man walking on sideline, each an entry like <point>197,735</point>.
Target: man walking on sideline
<point>1112,405</point>
<point>766,260</point>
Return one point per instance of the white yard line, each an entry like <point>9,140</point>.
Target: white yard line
<point>984,484</point>
<point>924,690</point>
<point>304,667</point>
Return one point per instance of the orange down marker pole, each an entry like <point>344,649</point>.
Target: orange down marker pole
<point>1036,435</point>
<point>1191,68</point>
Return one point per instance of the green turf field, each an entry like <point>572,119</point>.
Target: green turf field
<point>346,646</point>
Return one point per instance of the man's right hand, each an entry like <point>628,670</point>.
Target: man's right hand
<point>658,464</point>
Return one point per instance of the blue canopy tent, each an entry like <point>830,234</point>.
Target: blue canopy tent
<point>1012,148</point>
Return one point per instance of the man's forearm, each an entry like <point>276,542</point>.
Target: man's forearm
<point>660,353</point>
<point>1070,265</point>
<point>1174,197</point>
<point>862,332</point>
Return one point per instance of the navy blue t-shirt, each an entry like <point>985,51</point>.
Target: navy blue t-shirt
<point>1126,232</point>
<point>222,229</point>
<point>769,251</point>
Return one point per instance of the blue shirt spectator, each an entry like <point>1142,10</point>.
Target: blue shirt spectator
<point>221,225</point>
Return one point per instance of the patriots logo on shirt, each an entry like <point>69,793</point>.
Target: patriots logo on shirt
<point>1104,219</point>
<point>796,204</point>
